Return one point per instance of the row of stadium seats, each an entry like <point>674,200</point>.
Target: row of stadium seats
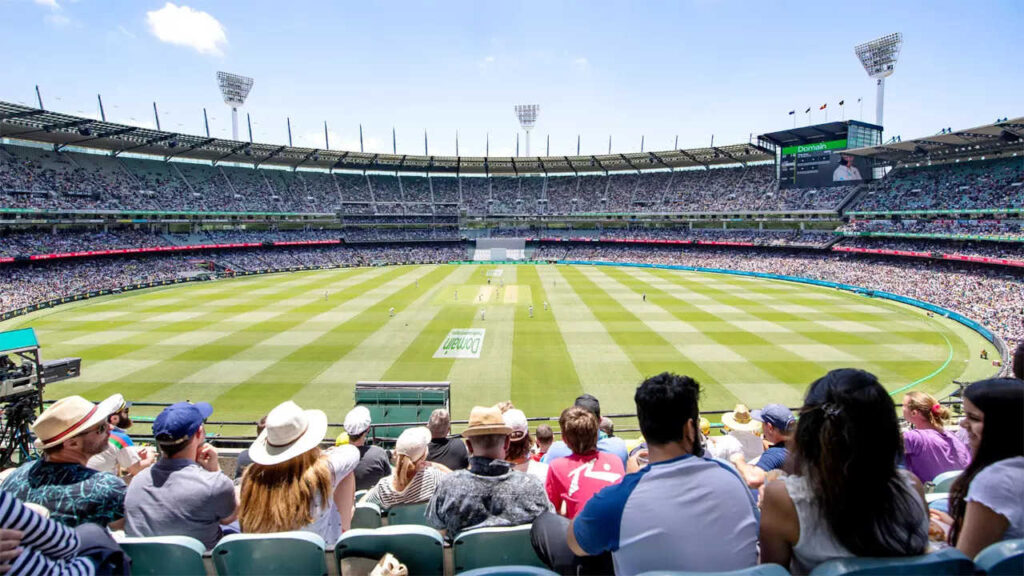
<point>478,552</point>
<point>36,178</point>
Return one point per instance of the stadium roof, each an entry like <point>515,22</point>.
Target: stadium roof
<point>63,130</point>
<point>990,139</point>
<point>817,133</point>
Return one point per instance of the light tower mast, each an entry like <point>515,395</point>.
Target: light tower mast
<point>235,90</point>
<point>527,114</point>
<point>879,60</point>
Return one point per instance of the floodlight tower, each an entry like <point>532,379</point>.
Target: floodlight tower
<point>879,60</point>
<point>235,90</point>
<point>527,114</point>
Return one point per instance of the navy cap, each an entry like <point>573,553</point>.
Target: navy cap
<point>180,421</point>
<point>775,414</point>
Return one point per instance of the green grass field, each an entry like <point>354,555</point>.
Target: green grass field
<point>247,344</point>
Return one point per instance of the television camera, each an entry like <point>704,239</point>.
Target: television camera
<point>23,374</point>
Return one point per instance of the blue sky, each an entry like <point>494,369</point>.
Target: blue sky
<point>657,69</point>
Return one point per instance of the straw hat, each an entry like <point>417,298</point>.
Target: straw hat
<point>67,418</point>
<point>484,420</point>
<point>290,432</point>
<point>740,419</point>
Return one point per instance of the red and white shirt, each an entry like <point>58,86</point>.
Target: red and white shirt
<point>572,480</point>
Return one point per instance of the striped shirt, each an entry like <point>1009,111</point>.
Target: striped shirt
<point>48,547</point>
<point>422,487</point>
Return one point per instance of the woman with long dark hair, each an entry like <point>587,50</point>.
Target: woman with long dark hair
<point>847,497</point>
<point>986,502</point>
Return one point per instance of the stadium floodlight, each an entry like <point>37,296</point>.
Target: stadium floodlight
<point>879,60</point>
<point>235,90</point>
<point>527,114</point>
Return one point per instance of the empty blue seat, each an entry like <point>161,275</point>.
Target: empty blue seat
<point>1004,558</point>
<point>509,571</point>
<point>946,562</point>
<point>420,548</point>
<point>759,570</point>
<point>165,555</point>
<point>298,553</point>
<point>495,546</point>
<point>366,515</point>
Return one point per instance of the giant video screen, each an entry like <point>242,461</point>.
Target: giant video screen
<point>821,164</point>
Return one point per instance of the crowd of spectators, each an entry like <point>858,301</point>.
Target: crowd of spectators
<point>1003,250</point>
<point>841,481</point>
<point>1003,228</point>
<point>961,186</point>
<point>36,178</point>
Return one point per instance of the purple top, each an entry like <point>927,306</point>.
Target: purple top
<point>930,453</point>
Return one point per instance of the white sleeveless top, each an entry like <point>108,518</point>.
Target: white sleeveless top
<point>817,544</point>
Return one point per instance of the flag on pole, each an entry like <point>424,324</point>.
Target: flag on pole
<point>808,111</point>
<point>859,99</point>
<point>791,112</point>
<point>841,102</point>
<point>823,106</point>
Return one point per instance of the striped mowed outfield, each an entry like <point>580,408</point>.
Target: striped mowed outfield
<point>248,344</point>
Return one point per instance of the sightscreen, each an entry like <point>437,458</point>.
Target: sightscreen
<point>821,164</point>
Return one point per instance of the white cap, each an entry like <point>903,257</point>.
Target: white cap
<point>413,442</point>
<point>516,420</point>
<point>357,421</point>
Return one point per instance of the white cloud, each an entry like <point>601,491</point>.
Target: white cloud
<point>581,63</point>
<point>57,20</point>
<point>48,3</point>
<point>125,31</point>
<point>186,26</point>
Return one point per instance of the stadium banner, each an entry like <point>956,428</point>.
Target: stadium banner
<point>985,333</point>
<point>932,236</point>
<point>462,343</point>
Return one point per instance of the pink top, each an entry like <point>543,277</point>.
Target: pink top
<point>930,453</point>
<point>574,479</point>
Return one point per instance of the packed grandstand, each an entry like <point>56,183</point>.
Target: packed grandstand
<point>88,208</point>
<point>947,217</point>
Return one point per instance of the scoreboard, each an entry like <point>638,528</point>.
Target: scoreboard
<point>821,164</point>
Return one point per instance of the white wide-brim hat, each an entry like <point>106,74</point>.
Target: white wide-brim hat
<point>290,431</point>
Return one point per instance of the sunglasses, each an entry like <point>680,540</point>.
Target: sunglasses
<point>102,428</point>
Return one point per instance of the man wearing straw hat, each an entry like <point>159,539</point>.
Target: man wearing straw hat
<point>489,492</point>
<point>69,432</point>
<point>742,426</point>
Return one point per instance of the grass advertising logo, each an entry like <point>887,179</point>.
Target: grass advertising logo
<point>462,343</point>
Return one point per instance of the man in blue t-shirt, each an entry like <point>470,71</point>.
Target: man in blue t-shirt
<point>605,443</point>
<point>776,421</point>
<point>681,512</point>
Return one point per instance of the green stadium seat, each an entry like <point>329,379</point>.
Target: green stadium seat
<point>494,546</point>
<point>1004,558</point>
<point>759,570</point>
<point>366,515</point>
<point>511,571</point>
<point>945,562</point>
<point>943,482</point>
<point>165,555</point>
<point>298,553</point>
<point>408,514</point>
<point>420,548</point>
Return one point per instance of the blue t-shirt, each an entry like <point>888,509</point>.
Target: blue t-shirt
<point>773,458</point>
<point>610,444</point>
<point>689,514</point>
<point>73,494</point>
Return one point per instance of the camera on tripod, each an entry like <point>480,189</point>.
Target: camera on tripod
<point>23,375</point>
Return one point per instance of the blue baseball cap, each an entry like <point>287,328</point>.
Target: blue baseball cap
<point>775,414</point>
<point>179,421</point>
